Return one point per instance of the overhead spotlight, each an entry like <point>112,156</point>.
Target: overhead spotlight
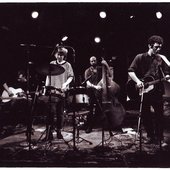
<point>97,39</point>
<point>64,38</point>
<point>34,14</point>
<point>102,14</point>
<point>159,15</point>
<point>132,17</point>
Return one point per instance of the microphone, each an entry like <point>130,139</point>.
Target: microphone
<point>56,47</point>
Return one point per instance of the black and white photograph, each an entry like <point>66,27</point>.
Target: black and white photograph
<point>85,84</point>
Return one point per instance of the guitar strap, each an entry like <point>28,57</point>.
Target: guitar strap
<point>161,71</point>
<point>165,59</point>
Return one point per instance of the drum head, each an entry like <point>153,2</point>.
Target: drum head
<point>81,98</point>
<point>77,90</point>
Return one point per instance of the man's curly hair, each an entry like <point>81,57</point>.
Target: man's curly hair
<point>155,39</point>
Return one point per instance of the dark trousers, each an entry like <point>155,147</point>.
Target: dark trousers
<point>95,109</point>
<point>55,108</point>
<point>153,121</point>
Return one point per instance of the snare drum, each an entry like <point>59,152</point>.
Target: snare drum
<point>81,97</point>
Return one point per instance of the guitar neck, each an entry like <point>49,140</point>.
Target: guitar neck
<point>155,81</point>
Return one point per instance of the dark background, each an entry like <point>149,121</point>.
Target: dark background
<point>122,37</point>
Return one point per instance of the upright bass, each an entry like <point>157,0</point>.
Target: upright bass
<point>111,107</point>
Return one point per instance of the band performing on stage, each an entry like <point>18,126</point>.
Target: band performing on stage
<point>95,99</point>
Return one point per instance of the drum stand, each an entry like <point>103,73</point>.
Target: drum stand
<point>76,138</point>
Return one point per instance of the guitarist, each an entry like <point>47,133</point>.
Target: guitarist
<point>151,64</point>
<point>18,106</point>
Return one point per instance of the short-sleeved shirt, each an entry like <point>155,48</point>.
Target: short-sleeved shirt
<point>58,80</point>
<point>144,66</point>
<point>95,76</point>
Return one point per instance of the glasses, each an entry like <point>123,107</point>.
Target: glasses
<point>60,53</point>
<point>157,46</point>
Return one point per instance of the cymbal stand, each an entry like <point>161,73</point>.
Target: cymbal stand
<point>30,132</point>
<point>48,127</point>
<point>29,123</point>
<point>74,120</point>
<point>139,127</point>
<point>48,130</point>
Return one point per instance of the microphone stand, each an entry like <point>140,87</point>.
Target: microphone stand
<point>73,104</point>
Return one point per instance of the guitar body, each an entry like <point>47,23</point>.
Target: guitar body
<point>134,92</point>
<point>17,94</point>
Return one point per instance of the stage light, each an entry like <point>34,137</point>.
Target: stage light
<point>97,39</point>
<point>132,17</point>
<point>102,14</point>
<point>159,15</point>
<point>34,14</point>
<point>64,38</point>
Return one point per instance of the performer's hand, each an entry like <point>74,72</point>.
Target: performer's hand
<point>64,87</point>
<point>97,87</point>
<point>10,93</point>
<point>104,62</point>
<point>167,78</point>
<point>140,84</point>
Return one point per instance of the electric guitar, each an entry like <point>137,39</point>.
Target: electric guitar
<point>18,94</point>
<point>134,92</point>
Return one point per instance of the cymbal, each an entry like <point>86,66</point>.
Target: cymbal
<point>50,69</point>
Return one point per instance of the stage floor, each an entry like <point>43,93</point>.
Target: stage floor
<point>120,150</point>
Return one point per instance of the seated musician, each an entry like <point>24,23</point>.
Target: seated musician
<point>58,84</point>
<point>15,101</point>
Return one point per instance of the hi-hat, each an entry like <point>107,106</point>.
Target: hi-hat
<point>50,69</point>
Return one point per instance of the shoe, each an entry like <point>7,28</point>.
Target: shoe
<point>59,135</point>
<point>88,130</point>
